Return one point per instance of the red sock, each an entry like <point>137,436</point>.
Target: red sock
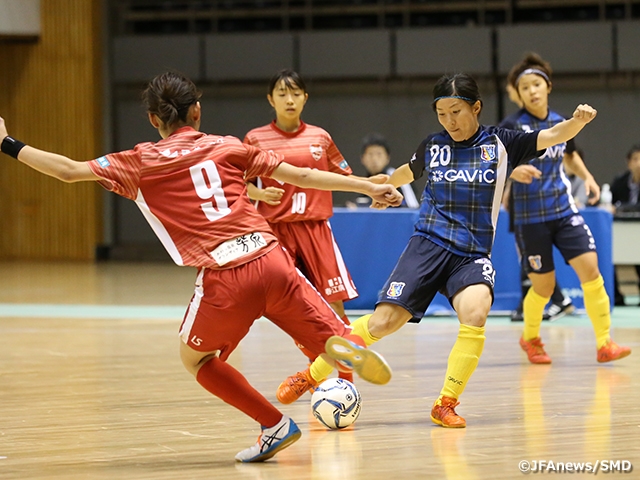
<point>345,319</point>
<point>230,386</point>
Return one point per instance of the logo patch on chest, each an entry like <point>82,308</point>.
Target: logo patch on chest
<point>488,152</point>
<point>316,151</point>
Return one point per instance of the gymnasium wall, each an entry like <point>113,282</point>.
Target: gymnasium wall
<point>380,80</point>
<point>360,81</point>
<point>50,92</point>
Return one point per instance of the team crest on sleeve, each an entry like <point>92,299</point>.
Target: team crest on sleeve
<point>395,289</point>
<point>316,151</point>
<point>103,162</point>
<point>488,152</point>
<point>535,261</point>
<point>344,165</point>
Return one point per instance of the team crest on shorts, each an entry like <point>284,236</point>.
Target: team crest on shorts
<point>488,152</point>
<point>535,261</point>
<point>316,151</point>
<point>395,289</point>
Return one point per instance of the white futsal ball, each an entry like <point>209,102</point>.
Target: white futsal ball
<point>336,403</point>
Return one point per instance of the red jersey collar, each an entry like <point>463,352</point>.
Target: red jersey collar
<point>184,129</point>
<point>303,127</point>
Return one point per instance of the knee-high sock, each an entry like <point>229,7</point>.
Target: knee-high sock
<point>463,360</point>
<point>533,309</point>
<point>320,369</point>
<point>596,302</point>
<point>360,328</point>
<point>230,386</point>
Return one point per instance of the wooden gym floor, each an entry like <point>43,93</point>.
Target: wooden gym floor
<point>91,387</point>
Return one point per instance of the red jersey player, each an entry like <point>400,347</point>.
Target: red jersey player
<point>299,216</point>
<point>190,188</point>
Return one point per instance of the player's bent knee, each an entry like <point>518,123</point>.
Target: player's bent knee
<point>193,359</point>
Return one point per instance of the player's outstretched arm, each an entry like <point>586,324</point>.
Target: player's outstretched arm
<point>308,178</point>
<point>568,129</point>
<point>401,176</point>
<point>52,164</point>
<point>269,195</point>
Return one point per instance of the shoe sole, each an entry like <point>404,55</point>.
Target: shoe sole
<point>284,443</point>
<point>623,355</point>
<point>439,422</point>
<point>369,365</point>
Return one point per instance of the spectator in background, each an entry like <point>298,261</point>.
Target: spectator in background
<point>375,156</point>
<point>625,190</point>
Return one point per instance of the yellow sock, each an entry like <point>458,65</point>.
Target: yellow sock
<point>597,304</point>
<point>463,360</point>
<point>361,328</point>
<point>533,309</point>
<point>320,369</point>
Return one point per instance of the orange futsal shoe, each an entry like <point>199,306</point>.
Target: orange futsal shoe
<point>612,351</point>
<point>535,350</point>
<point>443,413</point>
<point>295,386</point>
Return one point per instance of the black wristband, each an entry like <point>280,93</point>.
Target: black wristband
<point>11,146</point>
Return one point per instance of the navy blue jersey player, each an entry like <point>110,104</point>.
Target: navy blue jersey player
<point>466,166</point>
<point>545,215</point>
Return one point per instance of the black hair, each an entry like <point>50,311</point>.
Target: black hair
<point>169,96</point>
<point>635,148</point>
<point>374,139</point>
<point>457,85</point>
<point>530,60</point>
<point>292,79</point>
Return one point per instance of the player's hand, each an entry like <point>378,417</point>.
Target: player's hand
<point>386,195</point>
<point>592,189</point>
<point>584,113</point>
<point>378,205</point>
<point>525,173</point>
<point>272,195</point>
<point>379,178</point>
<point>3,129</point>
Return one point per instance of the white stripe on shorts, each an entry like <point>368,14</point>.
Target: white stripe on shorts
<point>344,274</point>
<point>190,318</point>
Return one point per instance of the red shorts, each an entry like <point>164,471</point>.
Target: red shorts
<point>316,253</point>
<point>227,302</point>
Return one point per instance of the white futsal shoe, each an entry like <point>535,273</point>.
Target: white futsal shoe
<point>271,441</point>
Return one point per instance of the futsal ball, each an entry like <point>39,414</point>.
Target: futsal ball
<point>336,403</point>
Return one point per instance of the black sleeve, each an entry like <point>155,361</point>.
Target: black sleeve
<point>418,161</point>
<point>521,146</point>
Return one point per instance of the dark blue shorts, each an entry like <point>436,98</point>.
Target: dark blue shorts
<point>425,269</point>
<point>571,235</point>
